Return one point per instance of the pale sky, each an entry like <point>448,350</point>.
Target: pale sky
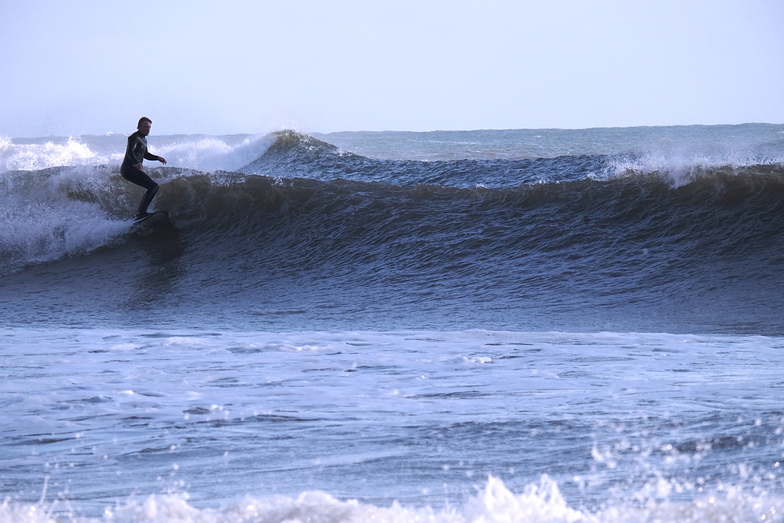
<point>74,67</point>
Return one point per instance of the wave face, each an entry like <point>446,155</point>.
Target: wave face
<point>635,240</point>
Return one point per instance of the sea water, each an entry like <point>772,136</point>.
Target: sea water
<point>533,325</point>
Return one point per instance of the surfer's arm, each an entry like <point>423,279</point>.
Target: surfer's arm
<point>148,156</point>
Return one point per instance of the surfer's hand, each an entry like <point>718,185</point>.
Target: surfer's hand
<point>139,166</point>
<point>162,160</point>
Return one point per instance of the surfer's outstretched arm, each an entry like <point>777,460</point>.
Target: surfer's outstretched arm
<point>149,156</point>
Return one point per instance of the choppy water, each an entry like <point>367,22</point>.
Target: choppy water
<point>521,325</point>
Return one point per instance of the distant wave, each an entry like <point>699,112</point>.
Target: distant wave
<point>49,153</point>
<point>467,157</point>
<point>294,154</point>
<point>297,155</point>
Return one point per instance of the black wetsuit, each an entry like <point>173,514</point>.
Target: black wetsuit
<point>134,154</point>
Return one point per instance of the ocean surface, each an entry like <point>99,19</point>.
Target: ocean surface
<point>515,326</point>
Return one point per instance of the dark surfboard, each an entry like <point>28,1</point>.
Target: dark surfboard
<point>151,219</point>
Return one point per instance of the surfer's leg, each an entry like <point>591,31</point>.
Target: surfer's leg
<point>146,200</point>
<point>140,178</point>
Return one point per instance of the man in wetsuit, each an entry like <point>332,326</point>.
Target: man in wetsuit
<point>131,168</point>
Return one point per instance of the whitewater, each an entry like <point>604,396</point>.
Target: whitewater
<point>523,325</point>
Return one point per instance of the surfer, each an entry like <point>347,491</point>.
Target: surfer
<point>131,168</point>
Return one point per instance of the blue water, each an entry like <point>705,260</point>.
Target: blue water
<point>532,325</point>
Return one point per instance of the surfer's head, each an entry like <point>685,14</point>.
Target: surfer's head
<point>144,125</point>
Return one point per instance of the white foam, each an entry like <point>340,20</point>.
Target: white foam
<point>34,156</point>
<point>206,153</point>
<point>212,153</point>
<point>39,233</point>
<point>53,215</point>
<point>682,163</point>
<point>537,503</point>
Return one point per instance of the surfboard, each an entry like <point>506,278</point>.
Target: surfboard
<point>151,219</point>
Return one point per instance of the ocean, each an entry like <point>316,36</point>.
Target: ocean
<point>535,325</point>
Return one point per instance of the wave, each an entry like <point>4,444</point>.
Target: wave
<point>67,211</point>
<point>297,155</point>
<point>541,503</point>
<point>549,231</point>
<point>458,158</point>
